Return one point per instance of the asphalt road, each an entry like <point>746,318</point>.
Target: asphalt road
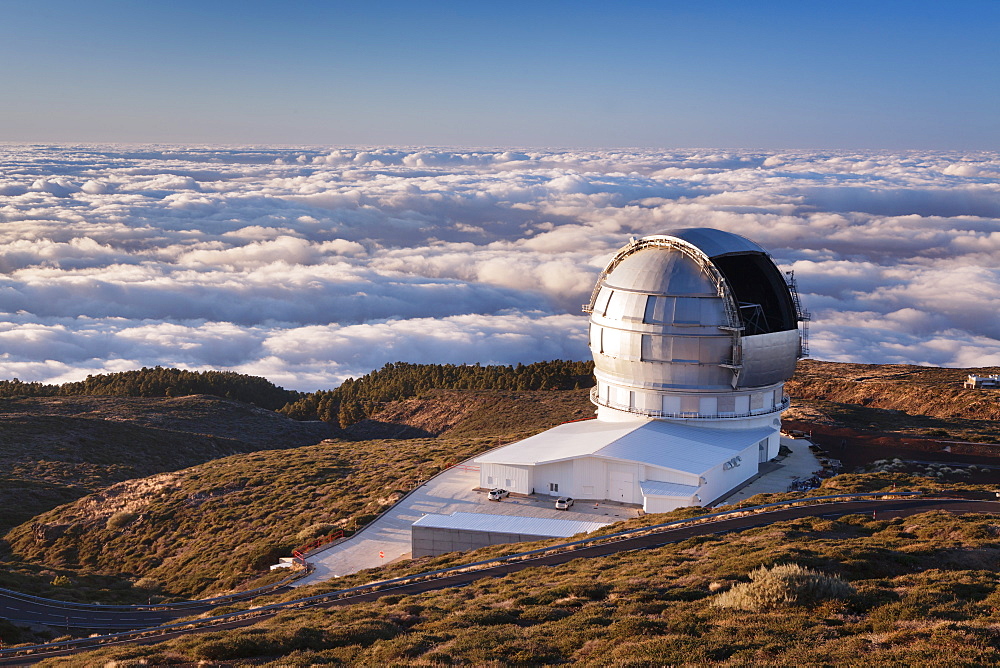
<point>27,609</point>
<point>883,509</point>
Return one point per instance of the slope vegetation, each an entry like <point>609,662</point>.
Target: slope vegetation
<point>56,449</point>
<point>896,397</point>
<point>216,526</point>
<point>920,590</point>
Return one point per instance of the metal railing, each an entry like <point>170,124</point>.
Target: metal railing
<point>649,412</point>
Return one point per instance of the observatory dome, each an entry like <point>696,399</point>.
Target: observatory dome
<point>692,324</point>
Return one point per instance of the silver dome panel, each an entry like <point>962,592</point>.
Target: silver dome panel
<point>668,326</point>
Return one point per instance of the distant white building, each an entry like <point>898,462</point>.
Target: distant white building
<point>982,382</point>
<point>693,333</point>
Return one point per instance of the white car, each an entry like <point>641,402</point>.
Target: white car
<point>497,494</point>
<point>564,503</point>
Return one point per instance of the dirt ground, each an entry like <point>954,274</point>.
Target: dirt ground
<point>856,448</point>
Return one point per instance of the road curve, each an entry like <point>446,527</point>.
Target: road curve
<point>881,508</point>
<point>28,609</point>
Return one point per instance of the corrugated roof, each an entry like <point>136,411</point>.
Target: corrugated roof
<point>566,441</point>
<point>680,447</point>
<point>531,526</point>
<point>672,489</point>
<point>668,445</point>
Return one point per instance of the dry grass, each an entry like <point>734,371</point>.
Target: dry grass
<point>654,607</point>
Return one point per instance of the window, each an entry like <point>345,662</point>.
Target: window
<point>553,487</point>
<point>489,481</point>
<point>508,483</point>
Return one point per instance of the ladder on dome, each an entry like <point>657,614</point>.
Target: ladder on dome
<point>801,313</point>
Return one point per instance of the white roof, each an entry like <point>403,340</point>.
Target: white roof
<point>668,445</point>
<point>529,526</point>
<point>671,489</point>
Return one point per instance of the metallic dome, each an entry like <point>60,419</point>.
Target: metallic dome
<point>692,323</point>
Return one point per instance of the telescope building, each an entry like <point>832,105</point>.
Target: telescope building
<point>694,333</point>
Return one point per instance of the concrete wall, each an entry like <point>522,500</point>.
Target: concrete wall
<point>432,541</point>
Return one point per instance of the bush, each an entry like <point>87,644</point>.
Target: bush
<point>61,581</point>
<point>121,519</point>
<point>315,531</point>
<point>783,584</point>
<point>147,583</point>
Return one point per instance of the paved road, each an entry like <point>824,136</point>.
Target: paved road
<point>27,609</point>
<point>882,509</point>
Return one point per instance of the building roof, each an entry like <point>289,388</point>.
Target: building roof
<point>653,270</point>
<point>671,489</point>
<point>518,524</point>
<point>714,243</point>
<point>667,445</point>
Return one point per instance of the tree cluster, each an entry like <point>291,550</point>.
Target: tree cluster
<point>355,399</point>
<point>162,382</point>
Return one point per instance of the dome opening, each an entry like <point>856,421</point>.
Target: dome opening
<point>765,305</point>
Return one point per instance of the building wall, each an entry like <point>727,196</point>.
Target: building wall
<point>513,478</point>
<point>669,475</point>
<point>590,476</point>
<point>559,474</point>
<point>623,482</point>
<point>719,479</point>
<point>664,504</point>
<point>432,541</point>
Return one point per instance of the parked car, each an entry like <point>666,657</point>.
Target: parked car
<point>564,503</point>
<point>497,494</point>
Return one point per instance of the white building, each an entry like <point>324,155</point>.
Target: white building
<point>974,382</point>
<point>693,333</point>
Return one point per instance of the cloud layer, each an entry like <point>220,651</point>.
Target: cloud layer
<point>309,266</point>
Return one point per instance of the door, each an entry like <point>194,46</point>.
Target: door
<point>621,487</point>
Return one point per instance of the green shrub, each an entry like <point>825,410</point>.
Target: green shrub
<point>61,581</point>
<point>780,585</point>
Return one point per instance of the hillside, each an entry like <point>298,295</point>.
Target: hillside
<point>474,413</point>
<point>188,496</point>
<point>906,398</point>
<point>921,590</point>
<point>213,527</point>
<point>217,525</point>
<point>55,449</point>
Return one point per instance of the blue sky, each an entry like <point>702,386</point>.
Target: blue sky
<point>865,75</point>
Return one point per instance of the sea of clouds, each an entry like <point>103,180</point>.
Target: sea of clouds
<point>311,265</point>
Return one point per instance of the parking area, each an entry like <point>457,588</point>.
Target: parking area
<point>387,539</point>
